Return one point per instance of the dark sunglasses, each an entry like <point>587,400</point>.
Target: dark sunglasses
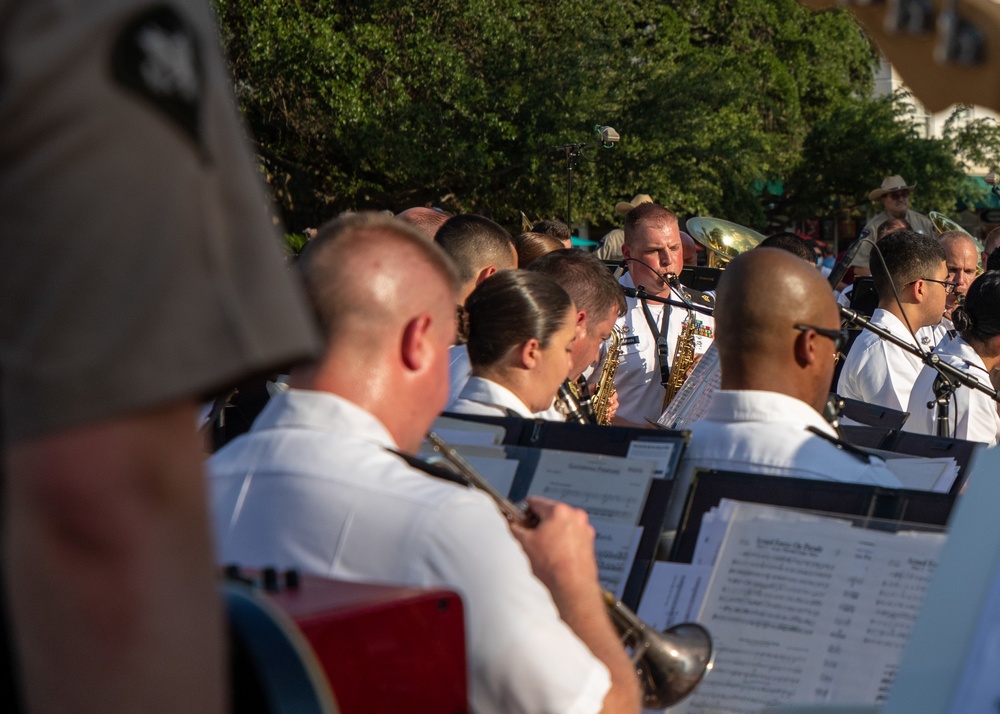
<point>839,337</point>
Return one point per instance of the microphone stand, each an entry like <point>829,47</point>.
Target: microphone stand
<point>640,294</point>
<point>949,378</point>
<point>573,154</point>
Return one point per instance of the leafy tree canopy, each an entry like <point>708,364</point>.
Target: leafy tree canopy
<point>460,104</point>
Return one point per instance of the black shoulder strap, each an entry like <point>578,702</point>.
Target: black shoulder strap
<point>856,451</point>
<point>430,469</point>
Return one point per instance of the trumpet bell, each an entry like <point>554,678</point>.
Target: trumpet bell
<point>673,663</point>
<point>723,239</point>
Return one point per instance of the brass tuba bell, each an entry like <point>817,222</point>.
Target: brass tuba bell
<point>723,239</point>
<point>942,223</point>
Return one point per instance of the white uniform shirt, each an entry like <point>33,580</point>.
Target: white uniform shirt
<point>486,397</point>
<point>313,486</point>
<point>638,380</point>
<point>971,414</point>
<point>762,432</point>
<point>879,372</point>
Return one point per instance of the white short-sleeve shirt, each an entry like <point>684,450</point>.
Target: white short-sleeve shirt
<point>313,486</point>
<point>972,414</point>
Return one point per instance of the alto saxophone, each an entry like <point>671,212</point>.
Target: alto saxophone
<point>601,400</point>
<point>683,360</point>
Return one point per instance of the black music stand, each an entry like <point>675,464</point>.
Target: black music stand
<point>862,501</point>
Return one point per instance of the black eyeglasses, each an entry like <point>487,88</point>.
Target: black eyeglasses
<point>949,286</point>
<point>839,337</point>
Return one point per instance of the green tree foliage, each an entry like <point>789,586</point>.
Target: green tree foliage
<point>389,104</point>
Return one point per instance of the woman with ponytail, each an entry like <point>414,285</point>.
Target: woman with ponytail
<point>521,328</point>
<point>976,351</point>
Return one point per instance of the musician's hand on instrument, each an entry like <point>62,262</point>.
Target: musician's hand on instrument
<point>613,404</point>
<point>560,548</point>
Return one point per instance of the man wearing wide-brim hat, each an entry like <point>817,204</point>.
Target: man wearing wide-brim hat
<point>611,243</point>
<point>894,195</point>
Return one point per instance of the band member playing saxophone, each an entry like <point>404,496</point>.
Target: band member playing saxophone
<point>653,250</point>
<point>599,303</point>
<point>321,482</point>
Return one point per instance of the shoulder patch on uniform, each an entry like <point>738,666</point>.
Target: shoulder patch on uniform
<point>156,56</point>
<point>700,297</point>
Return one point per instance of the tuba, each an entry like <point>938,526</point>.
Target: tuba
<point>723,239</point>
<point>669,664</point>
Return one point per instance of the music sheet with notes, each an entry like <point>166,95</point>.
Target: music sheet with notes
<point>814,611</point>
<point>609,488</point>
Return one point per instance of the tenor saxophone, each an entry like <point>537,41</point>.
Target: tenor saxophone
<point>601,400</point>
<point>683,360</point>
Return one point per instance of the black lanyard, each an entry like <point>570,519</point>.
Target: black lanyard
<point>660,335</point>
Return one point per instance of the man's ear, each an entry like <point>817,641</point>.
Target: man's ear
<point>581,322</point>
<point>416,349</point>
<point>805,348</point>
<point>529,353</point>
<point>486,272</point>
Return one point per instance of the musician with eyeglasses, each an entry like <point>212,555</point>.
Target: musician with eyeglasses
<point>894,194</point>
<point>326,481</point>
<point>912,284</point>
<point>972,415</point>
<point>779,333</point>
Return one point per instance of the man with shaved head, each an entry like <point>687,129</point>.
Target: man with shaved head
<point>478,246</point>
<point>962,259</point>
<point>321,483</point>
<point>778,332</point>
<point>653,249</point>
<point>425,220</point>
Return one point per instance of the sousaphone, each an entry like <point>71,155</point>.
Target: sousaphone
<point>942,223</point>
<point>723,239</point>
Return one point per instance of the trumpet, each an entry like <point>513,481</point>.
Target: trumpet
<point>669,664</point>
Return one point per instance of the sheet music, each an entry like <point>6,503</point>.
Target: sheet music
<point>659,452</point>
<point>459,431</point>
<point>499,472</point>
<point>673,594</point>
<point>808,611</point>
<point>924,474</point>
<point>607,487</point>
<point>615,546</point>
<point>692,400</point>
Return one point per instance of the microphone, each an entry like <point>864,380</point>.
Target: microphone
<point>840,269</point>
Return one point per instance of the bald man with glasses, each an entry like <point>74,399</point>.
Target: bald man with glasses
<point>778,334</point>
